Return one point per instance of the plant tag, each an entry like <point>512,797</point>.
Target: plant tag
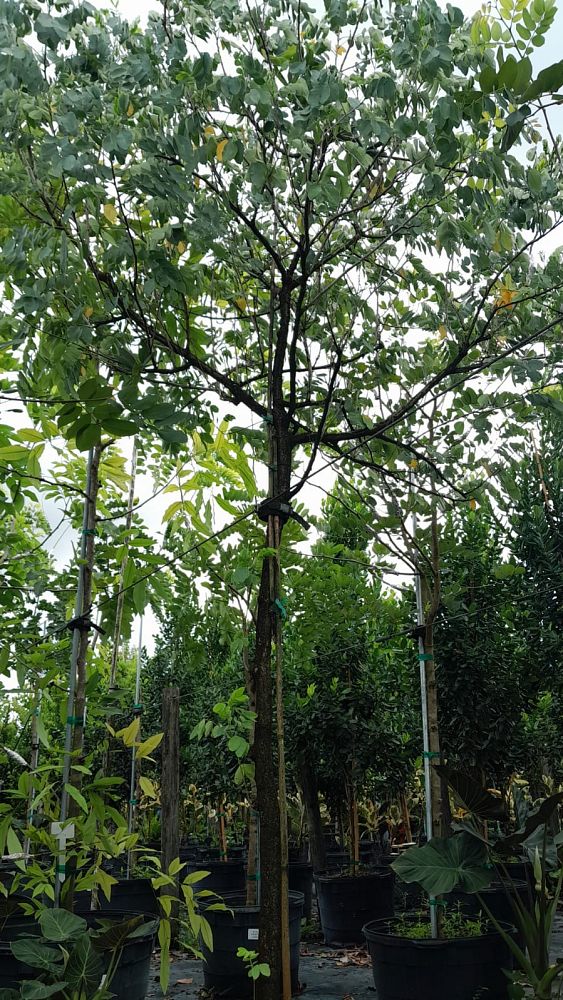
<point>253,933</point>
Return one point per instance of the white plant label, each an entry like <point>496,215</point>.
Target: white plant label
<point>253,933</point>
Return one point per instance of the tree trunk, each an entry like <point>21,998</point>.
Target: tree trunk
<point>266,776</point>
<point>170,791</point>
<point>310,793</point>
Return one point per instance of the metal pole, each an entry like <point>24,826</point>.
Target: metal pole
<point>137,709</point>
<point>33,763</point>
<point>424,708</point>
<point>78,611</point>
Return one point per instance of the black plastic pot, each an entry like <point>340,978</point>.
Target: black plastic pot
<point>131,980</point>
<point>458,969</point>
<point>497,899</point>
<point>300,878</point>
<point>519,871</point>
<point>134,895</point>
<point>347,902</point>
<point>224,876</point>
<point>336,860</point>
<point>223,972</point>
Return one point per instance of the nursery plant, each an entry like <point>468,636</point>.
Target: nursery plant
<point>466,861</point>
<point>71,959</point>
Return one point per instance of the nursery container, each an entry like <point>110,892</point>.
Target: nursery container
<point>456,969</point>
<point>347,902</point>
<point>223,972</point>
<point>224,876</point>
<point>496,898</point>
<point>131,978</point>
<point>134,895</point>
<point>337,859</point>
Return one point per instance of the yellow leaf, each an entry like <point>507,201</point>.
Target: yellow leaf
<point>505,298</point>
<point>129,734</point>
<point>147,747</point>
<point>197,183</point>
<point>209,130</point>
<point>88,312</point>
<point>147,787</point>
<point>340,50</point>
<point>110,212</point>
<point>442,331</point>
<point>413,464</point>
<point>220,149</point>
<point>241,303</point>
<point>181,248</point>
<point>130,110</point>
<point>221,303</point>
<point>473,504</point>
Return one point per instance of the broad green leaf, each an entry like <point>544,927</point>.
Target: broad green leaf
<point>446,863</point>
<point>61,925</point>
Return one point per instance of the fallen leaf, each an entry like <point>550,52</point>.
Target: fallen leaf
<point>184,982</point>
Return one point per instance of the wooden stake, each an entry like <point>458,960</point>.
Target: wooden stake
<point>170,790</point>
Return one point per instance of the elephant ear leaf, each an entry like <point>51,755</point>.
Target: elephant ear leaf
<point>540,817</point>
<point>446,863</point>
<point>472,797</point>
<point>113,936</point>
<point>85,968</point>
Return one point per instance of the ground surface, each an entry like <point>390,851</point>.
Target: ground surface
<point>326,973</point>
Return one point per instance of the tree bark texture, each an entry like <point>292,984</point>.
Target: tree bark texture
<point>170,789</point>
<point>310,793</point>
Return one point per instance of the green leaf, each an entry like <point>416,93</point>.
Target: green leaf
<point>88,436</point>
<point>61,925</point>
<point>85,967</point>
<point>77,796</point>
<point>114,935</point>
<point>36,954</point>
<point>118,427</point>
<point>35,990</point>
<point>446,863</point>
<point>548,81</point>
<point>472,796</point>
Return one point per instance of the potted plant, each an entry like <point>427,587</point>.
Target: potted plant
<point>73,955</point>
<point>465,862</point>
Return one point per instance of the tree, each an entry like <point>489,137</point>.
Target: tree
<point>239,201</point>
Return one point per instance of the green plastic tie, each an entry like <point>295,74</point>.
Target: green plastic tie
<point>280,605</point>
<point>437,902</point>
<point>133,802</point>
<point>430,754</point>
<point>253,878</point>
<point>88,531</point>
<point>75,720</point>
<point>425,656</point>
<point>268,418</point>
<point>138,707</point>
<point>60,869</point>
